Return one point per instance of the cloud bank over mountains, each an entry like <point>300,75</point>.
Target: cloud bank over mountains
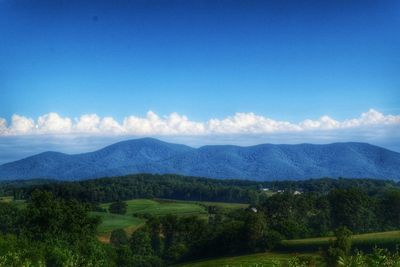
<point>175,124</point>
<point>23,136</point>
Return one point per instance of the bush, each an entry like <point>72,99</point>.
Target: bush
<point>140,243</point>
<point>118,237</point>
<point>176,252</point>
<point>340,247</point>
<point>271,240</point>
<point>118,207</point>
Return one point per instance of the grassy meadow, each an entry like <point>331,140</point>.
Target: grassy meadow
<point>298,248</point>
<point>10,199</point>
<point>138,209</point>
<point>268,259</point>
<point>389,239</point>
<point>115,221</point>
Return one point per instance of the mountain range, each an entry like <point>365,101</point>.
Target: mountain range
<point>259,162</point>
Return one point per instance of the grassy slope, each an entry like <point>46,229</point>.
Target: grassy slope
<point>223,205</point>
<point>363,241</point>
<point>251,260</point>
<point>6,199</point>
<point>10,199</point>
<point>115,221</point>
<point>381,239</point>
<point>158,207</point>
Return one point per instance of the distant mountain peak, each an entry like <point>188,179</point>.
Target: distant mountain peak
<point>258,162</point>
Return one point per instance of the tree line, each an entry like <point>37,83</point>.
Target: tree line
<point>184,188</point>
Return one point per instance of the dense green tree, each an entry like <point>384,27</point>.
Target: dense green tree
<point>118,207</point>
<point>170,229</point>
<point>352,208</point>
<point>339,247</point>
<point>10,218</point>
<point>227,239</point>
<point>46,218</point>
<point>55,233</point>
<point>175,252</point>
<point>254,230</point>
<point>320,217</point>
<point>119,237</point>
<point>270,240</point>
<point>154,228</point>
<point>287,214</point>
<point>140,243</point>
<point>193,231</point>
<point>389,209</point>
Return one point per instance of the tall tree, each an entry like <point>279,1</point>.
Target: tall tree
<point>352,208</point>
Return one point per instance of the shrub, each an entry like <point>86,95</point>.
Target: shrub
<point>118,237</point>
<point>118,207</point>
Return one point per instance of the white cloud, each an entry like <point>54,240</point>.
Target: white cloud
<point>21,125</point>
<point>249,123</point>
<point>372,117</point>
<point>88,123</point>
<point>3,126</point>
<point>53,123</point>
<point>109,125</point>
<point>175,124</point>
<point>324,123</point>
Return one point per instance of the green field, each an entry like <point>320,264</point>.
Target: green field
<point>139,208</point>
<point>362,241</point>
<point>115,221</point>
<point>298,246</point>
<point>252,260</point>
<point>6,199</point>
<point>223,205</point>
<point>159,208</point>
<point>10,199</point>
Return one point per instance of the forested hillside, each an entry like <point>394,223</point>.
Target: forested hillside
<point>265,162</point>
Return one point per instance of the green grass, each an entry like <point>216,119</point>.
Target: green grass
<point>138,208</point>
<point>223,205</point>
<point>362,241</point>
<point>300,247</point>
<point>160,208</point>
<point>6,199</point>
<point>111,221</point>
<point>10,199</point>
<point>251,260</point>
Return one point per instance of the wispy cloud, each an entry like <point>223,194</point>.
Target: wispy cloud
<point>175,124</point>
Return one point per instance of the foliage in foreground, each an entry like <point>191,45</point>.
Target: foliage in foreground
<point>339,254</point>
<point>50,232</point>
<point>55,228</point>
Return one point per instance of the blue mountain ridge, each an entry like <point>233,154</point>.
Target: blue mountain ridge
<point>259,162</point>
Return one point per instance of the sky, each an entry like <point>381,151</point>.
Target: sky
<point>78,75</point>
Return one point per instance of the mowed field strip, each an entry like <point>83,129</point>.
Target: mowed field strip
<point>138,208</point>
<point>389,239</point>
<point>268,259</point>
<point>297,245</point>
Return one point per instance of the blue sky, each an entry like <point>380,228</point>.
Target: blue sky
<point>285,60</point>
